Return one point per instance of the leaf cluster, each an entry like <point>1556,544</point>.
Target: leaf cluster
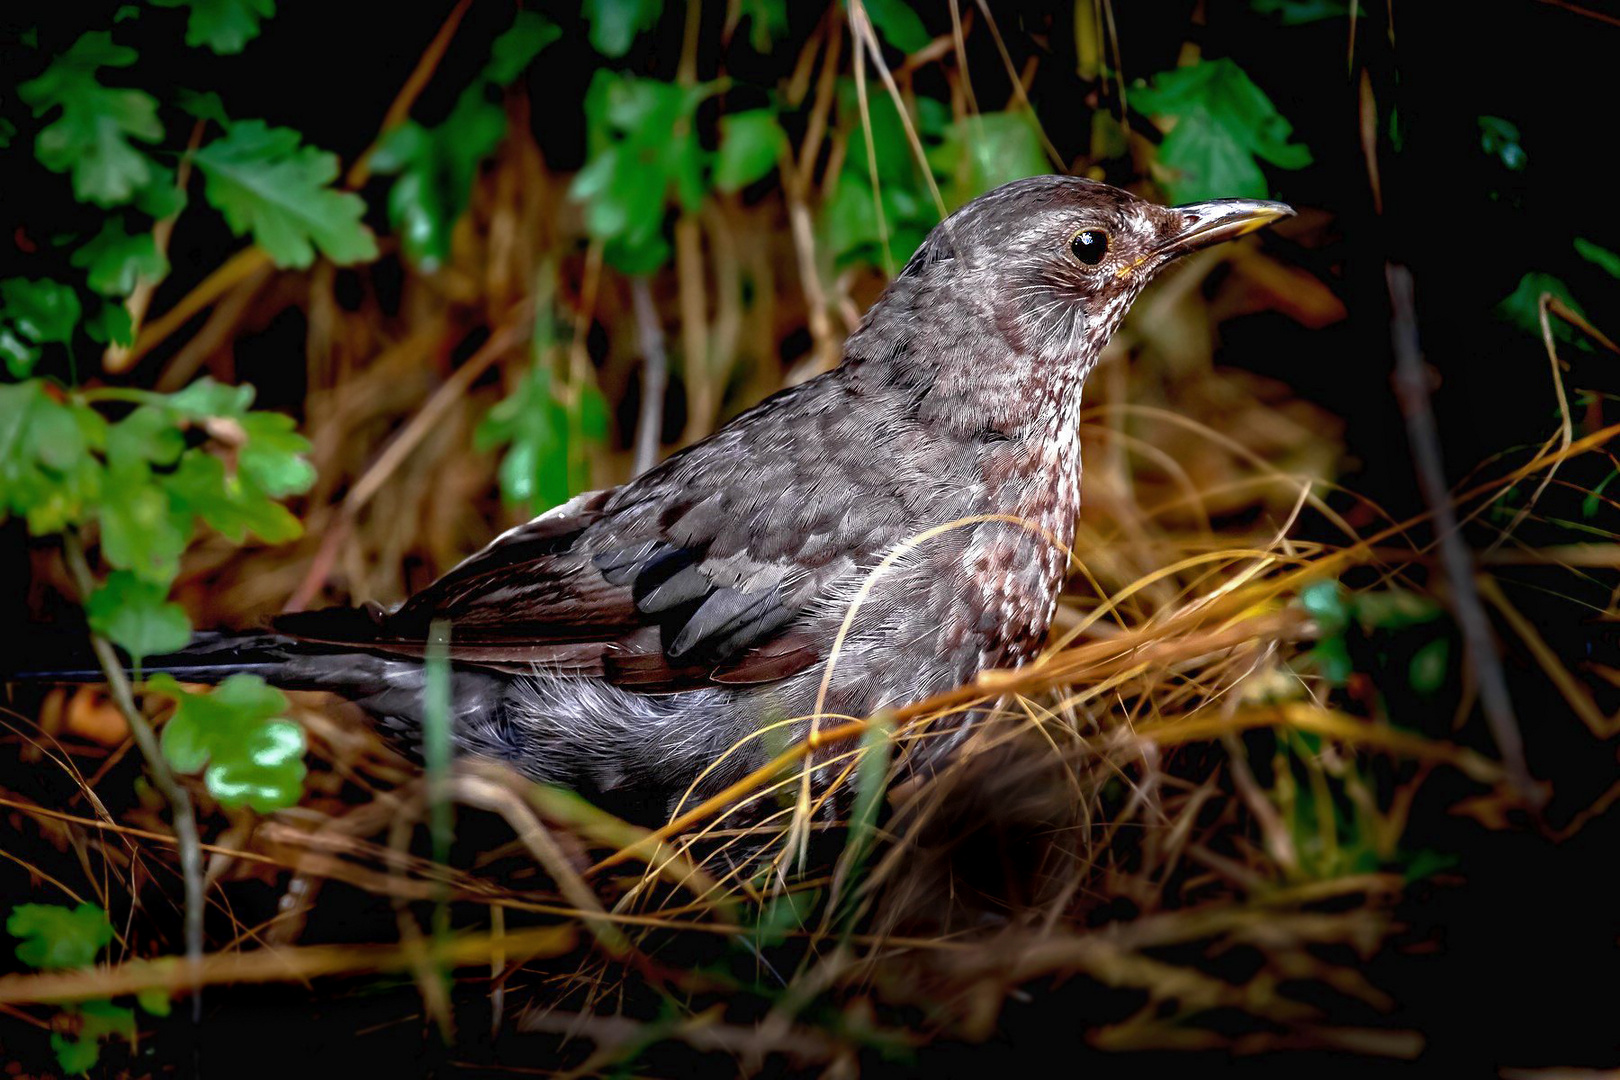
<point>55,938</point>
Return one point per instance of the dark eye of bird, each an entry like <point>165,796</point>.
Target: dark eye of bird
<point>1089,246</point>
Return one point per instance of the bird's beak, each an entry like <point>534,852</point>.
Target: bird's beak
<point>1208,223</point>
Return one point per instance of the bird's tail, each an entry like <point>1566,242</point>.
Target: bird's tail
<point>390,689</point>
<point>61,656</point>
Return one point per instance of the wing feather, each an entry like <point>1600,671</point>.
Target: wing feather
<point>697,573</point>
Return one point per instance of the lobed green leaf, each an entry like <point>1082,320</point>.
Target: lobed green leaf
<point>55,937</point>
<point>116,261</point>
<point>224,26</point>
<point>235,733</point>
<point>1219,123</point>
<point>264,182</point>
<point>92,134</point>
<point>614,24</point>
<point>898,24</point>
<point>32,314</point>
<point>135,615</point>
<point>751,143</point>
<point>47,473</point>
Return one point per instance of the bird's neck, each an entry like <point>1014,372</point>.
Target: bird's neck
<point>970,367</point>
<point>1013,400</point>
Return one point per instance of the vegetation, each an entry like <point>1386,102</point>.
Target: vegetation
<point>575,238</point>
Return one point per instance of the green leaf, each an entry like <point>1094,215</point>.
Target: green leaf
<point>111,325</point>
<point>999,148</point>
<point>437,167</point>
<point>206,399</point>
<point>146,436</point>
<point>517,47</point>
<point>533,425</point>
<point>136,616</point>
<point>161,197</point>
<point>225,26</point>
<point>1599,256</point>
<point>1331,657</point>
<point>1426,862</point>
<point>850,216</point>
<point>898,24</point>
<point>76,1056</point>
<point>252,757</point>
<point>593,413</point>
<point>615,23</point>
<point>205,105</point>
<point>138,531</point>
<point>1394,609</point>
<point>642,147</point>
<point>1500,139</point>
<point>1594,498</point>
<point>42,311</point>
<point>34,313</point>
<point>46,470</point>
<point>273,458</point>
<point>94,125</point>
<point>750,144</point>
<point>1218,124</point>
<point>230,503</point>
<point>155,1001</point>
<point>547,455</point>
<point>55,937</point>
<point>20,356</point>
<point>116,261</point>
<point>1300,12</point>
<point>263,181</point>
<point>1522,307</point>
<point>98,1020</point>
<point>1324,601</point>
<point>1429,666</point>
<point>767,22</point>
<point>784,913</point>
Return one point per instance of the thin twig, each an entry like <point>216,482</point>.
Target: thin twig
<point>1018,86</point>
<point>400,109</point>
<point>1584,11</point>
<point>289,964</point>
<point>655,375</point>
<point>861,27</point>
<point>185,818</point>
<point>117,357</point>
<point>1566,424</point>
<point>1412,391</point>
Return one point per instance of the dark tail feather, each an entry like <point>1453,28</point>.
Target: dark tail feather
<point>387,687</point>
<point>49,655</point>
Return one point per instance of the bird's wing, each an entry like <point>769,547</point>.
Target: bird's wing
<point>694,574</point>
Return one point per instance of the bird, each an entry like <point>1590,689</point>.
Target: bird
<point>860,541</point>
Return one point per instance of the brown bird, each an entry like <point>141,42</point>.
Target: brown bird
<point>901,519</point>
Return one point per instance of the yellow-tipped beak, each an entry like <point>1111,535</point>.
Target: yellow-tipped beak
<point>1220,220</point>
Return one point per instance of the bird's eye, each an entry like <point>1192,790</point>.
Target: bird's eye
<point>1089,246</point>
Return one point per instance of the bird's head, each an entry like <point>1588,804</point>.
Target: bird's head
<point>1054,261</point>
